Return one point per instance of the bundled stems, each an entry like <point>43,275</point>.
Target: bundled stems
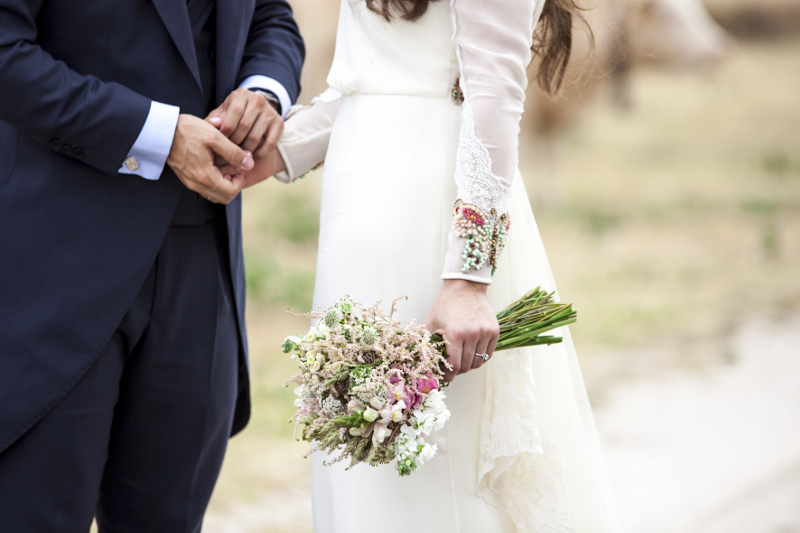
<point>523,322</point>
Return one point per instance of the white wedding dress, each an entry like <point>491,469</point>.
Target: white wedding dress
<point>401,145</point>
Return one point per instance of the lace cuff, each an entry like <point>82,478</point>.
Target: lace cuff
<point>479,239</point>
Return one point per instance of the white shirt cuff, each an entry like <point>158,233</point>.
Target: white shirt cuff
<point>149,153</point>
<point>269,84</point>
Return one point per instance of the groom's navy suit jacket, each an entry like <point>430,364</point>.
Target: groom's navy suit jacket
<point>77,239</point>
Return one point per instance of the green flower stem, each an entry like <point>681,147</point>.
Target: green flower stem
<point>523,322</point>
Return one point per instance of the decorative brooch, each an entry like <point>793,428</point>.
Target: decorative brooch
<point>485,240</point>
<point>456,93</point>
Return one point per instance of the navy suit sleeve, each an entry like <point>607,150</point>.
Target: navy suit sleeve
<point>274,47</point>
<point>76,114</point>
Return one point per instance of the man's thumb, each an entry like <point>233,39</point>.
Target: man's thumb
<point>232,153</point>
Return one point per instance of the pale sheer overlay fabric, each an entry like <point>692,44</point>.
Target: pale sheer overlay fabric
<point>540,454</point>
<point>520,452</point>
<point>305,139</point>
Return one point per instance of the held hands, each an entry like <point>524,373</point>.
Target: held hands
<point>465,319</point>
<point>249,120</point>
<point>195,147</point>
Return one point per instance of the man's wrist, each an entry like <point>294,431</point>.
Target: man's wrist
<point>270,97</point>
<point>265,83</point>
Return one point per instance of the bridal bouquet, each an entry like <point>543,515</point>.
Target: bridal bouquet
<point>372,389</point>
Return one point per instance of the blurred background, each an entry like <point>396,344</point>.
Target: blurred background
<point>666,183</point>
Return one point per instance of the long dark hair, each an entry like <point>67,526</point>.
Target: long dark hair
<point>552,41</point>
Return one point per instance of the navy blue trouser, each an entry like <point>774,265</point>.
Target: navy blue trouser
<point>140,439</point>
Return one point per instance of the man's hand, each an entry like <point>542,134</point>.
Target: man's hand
<point>192,158</point>
<point>266,167</point>
<point>247,119</point>
<point>465,319</point>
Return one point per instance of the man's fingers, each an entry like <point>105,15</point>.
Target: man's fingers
<point>253,138</point>
<point>231,153</point>
<point>274,132</point>
<point>230,121</point>
<point>229,170</point>
<point>246,122</point>
<point>223,190</point>
<point>215,117</point>
<point>271,140</point>
<point>239,180</point>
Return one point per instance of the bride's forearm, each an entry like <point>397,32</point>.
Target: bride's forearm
<point>306,136</point>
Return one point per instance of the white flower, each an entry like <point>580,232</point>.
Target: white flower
<point>376,403</point>
<point>435,402</point>
<point>409,432</point>
<point>370,415</point>
<point>380,433</point>
<point>397,411</point>
<point>426,453</point>
<point>406,440</point>
<point>311,336</point>
<point>299,402</point>
<point>354,405</point>
<point>441,420</point>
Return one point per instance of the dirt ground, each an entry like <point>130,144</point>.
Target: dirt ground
<point>677,237</point>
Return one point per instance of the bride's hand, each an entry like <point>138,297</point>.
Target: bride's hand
<point>465,319</point>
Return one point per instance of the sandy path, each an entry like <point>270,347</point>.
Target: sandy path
<point>712,452</point>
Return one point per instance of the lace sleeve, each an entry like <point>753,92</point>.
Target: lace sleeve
<point>304,142</point>
<point>493,44</point>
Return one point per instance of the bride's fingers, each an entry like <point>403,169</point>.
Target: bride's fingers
<point>454,353</point>
<point>482,348</point>
<point>468,353</point>
<point>495,336</point>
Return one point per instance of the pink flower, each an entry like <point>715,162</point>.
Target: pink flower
<point>427,384</point>
<point>397,392</point>
<point>396,375</point>
<point>416,398</point>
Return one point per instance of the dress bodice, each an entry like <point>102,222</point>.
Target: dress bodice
<point>374,56</point>
<point>473,51</point>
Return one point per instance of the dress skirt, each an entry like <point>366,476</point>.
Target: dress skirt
<point>520,451</point>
